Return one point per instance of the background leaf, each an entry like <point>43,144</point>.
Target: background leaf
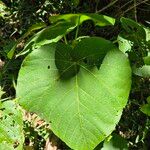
<point>1,92</point>
<point>11,126</point>
<point>133,27</point>
<point>124,44</point>
<point>147,59</point>
<point>135,40</point>
<point>77,19</point>
<point>143,71</point>
<point>146,107</point>
<point>3,10</point>
<point>48,35</point>
<point>34,27</point>
<point>115,143</point>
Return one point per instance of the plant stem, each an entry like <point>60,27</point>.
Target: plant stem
<point>77,31</point>
<point>137,4</point>
<point>109,5</point>
<point>65,39</point>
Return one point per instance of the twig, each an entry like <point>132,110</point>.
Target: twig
<point>109,5</point>
<point>135,11</point>
<point>97,2</point>
<point>126,4</point>
<point>137,4</point>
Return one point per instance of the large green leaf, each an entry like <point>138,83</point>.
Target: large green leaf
<point>11,126</point>
<point>99,20</point>
<point>53,33</point>
<point>82,110</point>
<point>48,35</point>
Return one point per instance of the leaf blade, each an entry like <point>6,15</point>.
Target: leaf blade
<point>99,20</point>
<point>76,109</point>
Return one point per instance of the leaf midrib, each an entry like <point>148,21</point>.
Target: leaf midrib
<point>78,108</point>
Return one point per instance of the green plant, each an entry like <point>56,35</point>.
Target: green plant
<point>77,87</point>
<point>81,86</point>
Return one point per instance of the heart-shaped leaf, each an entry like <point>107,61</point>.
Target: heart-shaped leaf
<point>82,110</point>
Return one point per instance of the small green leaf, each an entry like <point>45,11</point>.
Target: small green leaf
<point>146,108</point>
<point>75,2</point>
<point>3,10</point>
<point>10,54</point>
<point>1,92</point>
<point>143,71</point>
<point>124,44</point>
<point>147,60</point>
<point>147,31</point>
<point>35,27</point>
<point>99,20</point>
<point>11,126</point>
<point>115,143</point>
